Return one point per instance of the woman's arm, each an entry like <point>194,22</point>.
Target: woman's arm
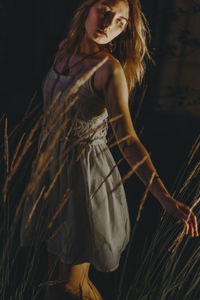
<point>116,97</point>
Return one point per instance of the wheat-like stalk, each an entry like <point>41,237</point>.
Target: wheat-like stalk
<point>144,196</point>
<point>60,207</point>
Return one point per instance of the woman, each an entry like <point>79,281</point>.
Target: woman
<point>97,228</point>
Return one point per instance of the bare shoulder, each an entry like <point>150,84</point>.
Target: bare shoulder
<point>111,70</point>
<point>111,67</point>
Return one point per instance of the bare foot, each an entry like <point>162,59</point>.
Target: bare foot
<point>87,291</point>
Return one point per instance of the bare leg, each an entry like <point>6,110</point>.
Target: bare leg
<point>69,280</point>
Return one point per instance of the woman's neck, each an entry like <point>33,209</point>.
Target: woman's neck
<point>89,47</point>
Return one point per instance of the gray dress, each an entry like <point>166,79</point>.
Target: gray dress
<point>93,225</point>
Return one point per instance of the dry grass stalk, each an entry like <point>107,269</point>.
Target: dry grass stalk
<point>191,155</point>
<point>60,207</point>
<point>195,203</point>
<point>113,119</point>
<point>47,128</point>
<point>130,173</point>
<point>36,176</point>
<point>109,174</point>
<point>92,133</point>
<point>79,141</point>
<point>35,205</point>
<point>85,77</point>
<point>194,149</point>
<point>30,104</point>
<point>118,142</point>
<point>43,162</point>
<point>44,158</point>
<point>71,127</point>
<point>144,196</point>
<point>140,103</point>
<point>23,120</point>
<point>2,118</point>
<point>17,211</point>
<point>6,159</point>
<point>57,230</point>
<point>17,151</point>
<point>177,242</point>
<point>184,269</point>
<point>25,149</point>
<point>134,168</point>
<point>82,151</point>
<point>48,151</point>
<point>110,139</point>
<point>27,145</point>
<point>59,113</point>
<point>52,283</point>
<point>195,171</point>
<point>6,150</point>
<point>55,179</point>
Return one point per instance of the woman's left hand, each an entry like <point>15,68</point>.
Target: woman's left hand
<point>183,213</point>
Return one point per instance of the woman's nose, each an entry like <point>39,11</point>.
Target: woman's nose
<point>107,21</point>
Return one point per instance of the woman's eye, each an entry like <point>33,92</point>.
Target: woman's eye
<point>103,10</point>
<point>120,22</point>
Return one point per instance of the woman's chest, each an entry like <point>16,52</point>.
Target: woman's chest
<point>88,104</point>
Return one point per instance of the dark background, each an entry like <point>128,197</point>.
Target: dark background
<point>29,35</point>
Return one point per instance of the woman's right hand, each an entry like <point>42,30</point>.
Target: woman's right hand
<point>183,213</point>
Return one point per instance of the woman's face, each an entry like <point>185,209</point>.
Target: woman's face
<point>106,20</point>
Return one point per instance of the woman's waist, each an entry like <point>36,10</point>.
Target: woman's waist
<point>87,138</point>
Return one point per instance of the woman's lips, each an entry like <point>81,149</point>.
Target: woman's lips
<point>102,32</point>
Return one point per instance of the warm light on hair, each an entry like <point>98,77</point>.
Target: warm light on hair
<point>131,47</point>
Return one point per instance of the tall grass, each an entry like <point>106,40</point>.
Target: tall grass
<point>169,264</point>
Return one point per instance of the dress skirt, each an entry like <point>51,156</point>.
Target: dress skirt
<point>96,227</point>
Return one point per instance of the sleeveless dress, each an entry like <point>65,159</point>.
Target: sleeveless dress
<point>93,225</point>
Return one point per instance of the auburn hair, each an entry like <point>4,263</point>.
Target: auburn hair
<point>130,47</point>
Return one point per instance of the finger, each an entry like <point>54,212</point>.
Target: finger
<point>191,229</point>
<point>195,224</point>
<point>186,229</point>
<point>186,226</point>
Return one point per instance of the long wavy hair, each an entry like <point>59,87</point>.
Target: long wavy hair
<point>130,47</point>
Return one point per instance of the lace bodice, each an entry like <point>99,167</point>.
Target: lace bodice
<point>91,131</point>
